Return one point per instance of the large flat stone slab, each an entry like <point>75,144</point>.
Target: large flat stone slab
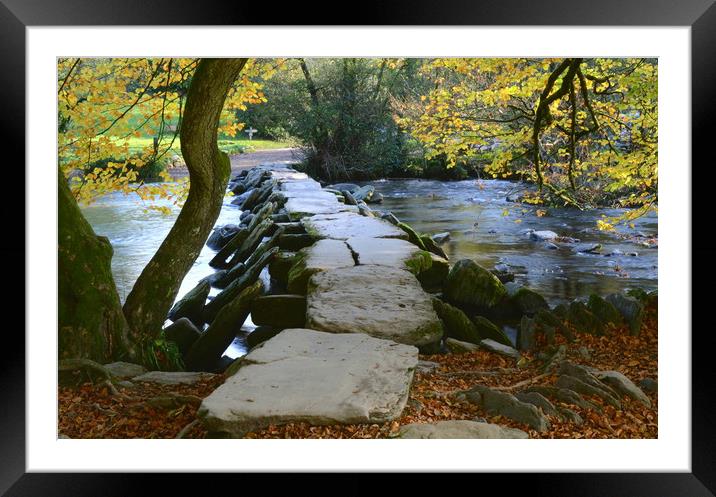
<point>380,301</point>
<point>303,375</point>
<point>393,252</point>
<point>303,184</point>
<point>321,256</point>
<point>459,429</point>
<point>301,206</point>
<point>345,225</point>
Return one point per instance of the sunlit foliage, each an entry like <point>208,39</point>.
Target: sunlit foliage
<point>584,130</point>
<point>103,103</point>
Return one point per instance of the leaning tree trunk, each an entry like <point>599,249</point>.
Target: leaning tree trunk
<point>154,292</point>
<point>91,322</point>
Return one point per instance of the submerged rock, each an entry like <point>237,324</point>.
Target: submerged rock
<point>441,238</point>
<point>303,375</point>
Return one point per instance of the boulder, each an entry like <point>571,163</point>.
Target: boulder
<point>261,334</point>
<point>433,247</point>
<point>380,301</point>
<point>617,381</point>
<point>562,395</point>
<point>247,278</point>
<point>441,238</point>
<point>505,404</point>
<point>208,349</point>
<point>190,306</point>
<point>173,377</point>
<point>295,241</point>
<point>280,265</point>
<point>631,310</point>
<point>528,301</point>
<point>376,198</point>
<point>279,311</point>
<point>456,323</point>
<point>221,236</point>
<point>469,285</point>
<point>303,375</point>
<point>458,347</point>
<point>583,319</point>
<point>183,333</point>
<point>577,385</point>
<point>348,198</point>
<point>500,348</point>
<point>124,370</point>
<point>413,236</point>
<point>363,193</point>
<point>604,310</point>
<point>390,217</point>
<point>538,400</point>
<point>458,429</point>
<point>321,256</point>
<point>488,329</point>
<point>542,236</point>
<point>527,335</point>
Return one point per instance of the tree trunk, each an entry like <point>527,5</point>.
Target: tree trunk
<point>91,324</point>
<point>156,288</point>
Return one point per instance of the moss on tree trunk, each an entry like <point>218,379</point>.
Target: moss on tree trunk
<point>91,324</point>
<point>154,292</point>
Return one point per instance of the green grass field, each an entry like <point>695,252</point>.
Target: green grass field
<point>230,146</point>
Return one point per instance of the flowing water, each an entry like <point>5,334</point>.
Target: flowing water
<point>474,215</point>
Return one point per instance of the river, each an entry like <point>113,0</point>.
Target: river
<point>474,215</point>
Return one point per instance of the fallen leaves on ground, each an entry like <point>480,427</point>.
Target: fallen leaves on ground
<point>90,411</point>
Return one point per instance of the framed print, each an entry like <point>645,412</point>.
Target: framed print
<point>464,198</point>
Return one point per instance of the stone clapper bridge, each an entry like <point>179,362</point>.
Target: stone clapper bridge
<point>366,312</point>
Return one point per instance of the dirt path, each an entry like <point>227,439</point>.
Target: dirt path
<point>251,159</point>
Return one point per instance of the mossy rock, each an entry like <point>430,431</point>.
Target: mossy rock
<point>413,236</point>
<point>433,278</point>
<point>299,274</point>
<point>433,247</point>
<point>456,323</point>
<point>281,265</point>
<point>488,329</point>
<point>583,319</point>
<point>631,310</point>
<point>528,301</point>
<point>604,310</point>
<point>469,285</point>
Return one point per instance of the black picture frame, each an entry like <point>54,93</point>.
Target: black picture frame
<point>700,15</point>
